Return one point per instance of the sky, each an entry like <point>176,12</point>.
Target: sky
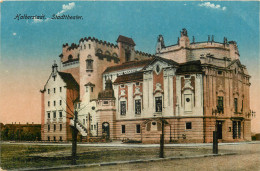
<point>29,47</point>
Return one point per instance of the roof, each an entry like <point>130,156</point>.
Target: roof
<point>69,80</point>
<point>124,39</point>
<point>190,67</point>
<point>128,65</point>
<point>137,76</point>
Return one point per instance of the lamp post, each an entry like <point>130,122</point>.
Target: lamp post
<point>162,140</point>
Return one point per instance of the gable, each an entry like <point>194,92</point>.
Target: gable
<point>159,63</point>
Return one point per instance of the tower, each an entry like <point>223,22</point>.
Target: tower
<point>126,48</point>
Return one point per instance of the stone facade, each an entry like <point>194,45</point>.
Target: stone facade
<point>188,90</point>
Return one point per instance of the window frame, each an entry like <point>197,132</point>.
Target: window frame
<point>122,103</point>
<point>123,129</point>
<point>156,102</point>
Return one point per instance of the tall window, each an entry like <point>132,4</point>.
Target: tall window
<point>138,128</point>
<point>220,106</point>
<point>60,114</point>
<point>235,104</point>
<point>49,115</point>
<point>158,104</point>
<point>123,108</point>
<point>60,127</point>
<point>138,106</point>
<point>89,63</point>
<point>123,129</point>
<point>54,127</point>
<point>48,103</point>
<point>48,91</point>
<point>60,89</point>
<point>54,114</point>
<point>54,103</point>
<point>127,55</point>
<point>54,90</point>
<point>49,128</point>
<point>60,102</point>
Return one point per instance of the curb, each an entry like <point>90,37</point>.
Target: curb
<point>124,162</point>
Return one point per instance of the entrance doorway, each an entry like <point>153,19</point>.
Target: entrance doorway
<point>219,129</point>
<point>105,130</point>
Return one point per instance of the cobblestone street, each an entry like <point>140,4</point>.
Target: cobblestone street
<point>247,158</point>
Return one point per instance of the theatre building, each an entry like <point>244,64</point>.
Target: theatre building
<point>186,91</point>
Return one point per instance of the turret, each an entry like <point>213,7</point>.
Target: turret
<point>54,69</point>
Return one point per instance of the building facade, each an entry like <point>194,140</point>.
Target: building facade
<point>186,90</point>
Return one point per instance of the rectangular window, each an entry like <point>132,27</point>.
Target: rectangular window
<point>105,102</point>
<point>92,89</point>
<point>235,105</point>
<point>188,125</point>
<point>219,72</point>
<point>60,127</point>
<point>123,129</point>
<point>91,127</point>
<point>60,138</point>
<point>54,90</point>
<point>49,128</point>
<point>220,106</point>
<point>138,128</point>
<point>60,102</point>
<point>54,103</point>
<point>48,103</point>
<point>83,121</point>
<point>60,114</point>
<point>94,126</point>
<point>89,46</point>
<point>123,108</point>
<point>158,104</point>
<point>54,114</point>
<point>242,106</point>
<point>138,106</point>
<point>60,89</point>
<point>54,138</point>
<point>54,127</point>
<point>48,91</point>
<point>49,115</point>
<point>49,138</point>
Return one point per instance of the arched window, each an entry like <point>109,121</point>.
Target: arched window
<point>99,51</point>
<point>115,55</point>
<point>107,53</point>
<point>89,63</point>
<point>70,57</point>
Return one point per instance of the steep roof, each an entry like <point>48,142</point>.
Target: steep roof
<point>190,67</point>
<point>124,39</point>
<point>69,80</point>
<point>128,65</point>
<point>137,76</point>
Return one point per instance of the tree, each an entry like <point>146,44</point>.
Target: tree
<point>72,109</point>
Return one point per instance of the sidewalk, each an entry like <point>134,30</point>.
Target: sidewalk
<point>124,162</point>
<point>120,144</point>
